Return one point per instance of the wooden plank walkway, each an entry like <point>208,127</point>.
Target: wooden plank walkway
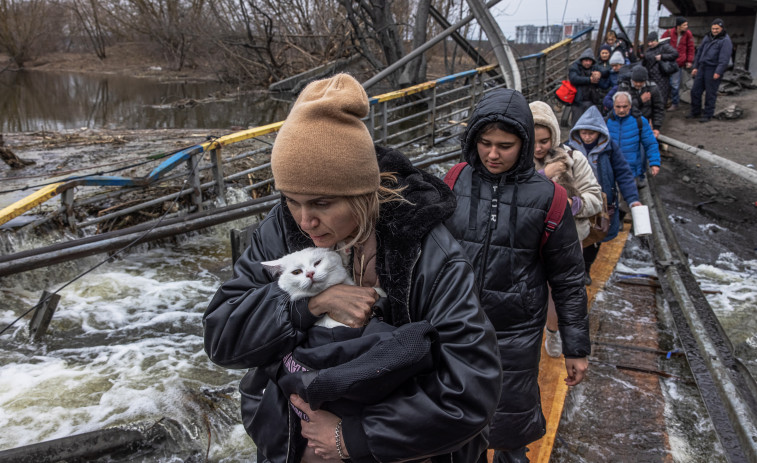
<point>552,370</point>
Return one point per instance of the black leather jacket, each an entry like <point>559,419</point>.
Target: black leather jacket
<point>499,221</point>
<point>440,415</point>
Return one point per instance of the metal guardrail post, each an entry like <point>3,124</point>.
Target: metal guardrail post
<point>194,180</point>
<point>384,121</point>
<point>67,200</point>
<point>43,314</point>
<point>567,57</point>
<point>433,117</point>
<point>372,121</point>
<point>473,98</point>
<point>542,76</point>
<point>217,168</point>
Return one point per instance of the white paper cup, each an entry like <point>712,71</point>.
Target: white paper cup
<point>641,224</point>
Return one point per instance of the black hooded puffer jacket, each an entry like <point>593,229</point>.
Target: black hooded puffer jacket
<point>499,221</point>
<point>580,77</point>
<point>441,415</point>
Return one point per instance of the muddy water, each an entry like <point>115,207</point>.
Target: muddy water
<point>33,101</point>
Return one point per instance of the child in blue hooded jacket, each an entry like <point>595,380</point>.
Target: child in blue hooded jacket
<point>591,137</point>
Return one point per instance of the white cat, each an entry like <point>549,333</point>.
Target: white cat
<point>307,272</point>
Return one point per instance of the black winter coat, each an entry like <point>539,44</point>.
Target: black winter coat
<point>653,109</point>
<point>499,220</point>
<point>667,53</point>
<point>440,415</point>
<point>580,77</point>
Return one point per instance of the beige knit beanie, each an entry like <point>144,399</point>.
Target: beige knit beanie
<point>323,148</point>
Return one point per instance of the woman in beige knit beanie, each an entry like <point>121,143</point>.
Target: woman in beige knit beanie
<point>574,174</point>
<point>385,216</point>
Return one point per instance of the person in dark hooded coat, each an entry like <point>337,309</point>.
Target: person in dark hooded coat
<point>585,76</point>
<point>502,204</point>
<point>340,191</point>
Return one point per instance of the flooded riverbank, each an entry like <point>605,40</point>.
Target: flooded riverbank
<point>34,101</point>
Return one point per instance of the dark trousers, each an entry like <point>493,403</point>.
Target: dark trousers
<point>704,82</point>
<point>590,255</point>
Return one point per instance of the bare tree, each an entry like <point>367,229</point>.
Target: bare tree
<point>22,28</point>
<point>415,71</point>
<point>88,13</point>
<point>175,25</point>
<point>273,39</point>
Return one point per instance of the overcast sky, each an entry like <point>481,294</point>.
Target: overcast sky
<point>511,13</point>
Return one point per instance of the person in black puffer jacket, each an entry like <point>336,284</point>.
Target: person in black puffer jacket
<point>341,191</point>
<point>502,204</point>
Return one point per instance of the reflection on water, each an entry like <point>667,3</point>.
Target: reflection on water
<point>33,101</point>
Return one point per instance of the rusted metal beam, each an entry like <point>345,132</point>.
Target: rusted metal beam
<point>733,167</point>
<point>43,314</point>
<point>86,446</point>
<point>62,252</point>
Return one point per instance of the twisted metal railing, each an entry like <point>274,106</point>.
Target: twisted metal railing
<point>424,117</point>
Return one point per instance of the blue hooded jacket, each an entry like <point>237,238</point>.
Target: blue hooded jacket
<point>631,135</point>
<point>608,164</point>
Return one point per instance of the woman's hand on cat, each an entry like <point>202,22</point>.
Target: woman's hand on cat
<point>554,169</point>
<point>319,431</point>
<point>351,305</point>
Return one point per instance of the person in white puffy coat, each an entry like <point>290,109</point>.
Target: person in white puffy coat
<point>573,173</point>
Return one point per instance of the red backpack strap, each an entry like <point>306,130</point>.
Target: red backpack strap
<point>555,213</point>
<point>453,173</point>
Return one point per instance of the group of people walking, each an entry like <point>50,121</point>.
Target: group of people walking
<point>463,275</point>
<point>478,266</point>
<point>653,76</point>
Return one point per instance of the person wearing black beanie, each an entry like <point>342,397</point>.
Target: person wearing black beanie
<point>710,62</point>
<point>682,40</point>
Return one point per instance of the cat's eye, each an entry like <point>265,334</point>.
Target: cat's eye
<point>296,272</point>
<point>318,262</point>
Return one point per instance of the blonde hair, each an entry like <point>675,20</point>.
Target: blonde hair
<point>365,208</point>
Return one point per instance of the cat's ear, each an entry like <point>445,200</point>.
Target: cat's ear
<point>273,266</point>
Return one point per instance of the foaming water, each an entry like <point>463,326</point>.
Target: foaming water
<point>732,285</point>
<point>125,347</point>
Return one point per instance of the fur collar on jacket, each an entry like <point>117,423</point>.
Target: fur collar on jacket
<point>400,229</point>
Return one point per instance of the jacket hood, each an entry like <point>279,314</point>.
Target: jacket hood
<point>543,115</point>
<point>591,120</point>
<point>622,36</point>
<point>588,54</point>
<point>511,108</point>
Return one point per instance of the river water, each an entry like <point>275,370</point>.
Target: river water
<point>32,101</point>
<point>125,344</point>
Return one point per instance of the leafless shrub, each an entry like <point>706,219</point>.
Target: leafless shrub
<point>25,28</point>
